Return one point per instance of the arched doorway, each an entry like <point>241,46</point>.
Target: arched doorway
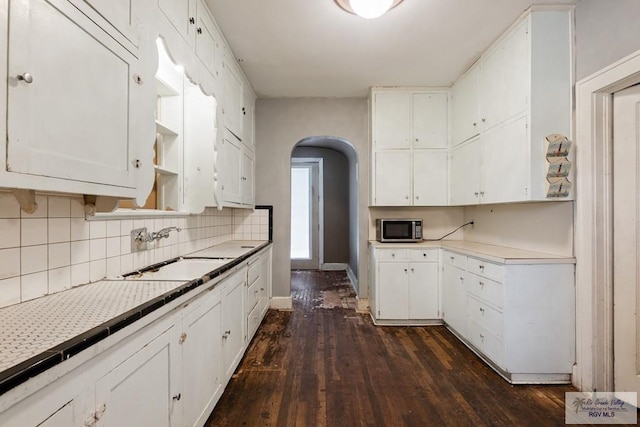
<point>337,191</point>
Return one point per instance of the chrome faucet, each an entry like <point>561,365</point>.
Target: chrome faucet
<point>140,237</point>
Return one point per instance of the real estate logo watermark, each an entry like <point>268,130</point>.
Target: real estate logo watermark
<point>601,407</point>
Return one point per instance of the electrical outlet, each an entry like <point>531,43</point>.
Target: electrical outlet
<point>138,239</point>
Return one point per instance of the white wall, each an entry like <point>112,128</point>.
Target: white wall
<point>56,248</point>
<point>280,124</point>
<point>437,221</point>
<point>606,31</point>
<point>541,227</point>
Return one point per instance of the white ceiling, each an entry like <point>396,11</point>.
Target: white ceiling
<point>312,48</point>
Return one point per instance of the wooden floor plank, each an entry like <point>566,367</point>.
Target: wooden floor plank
<point>324,365</point>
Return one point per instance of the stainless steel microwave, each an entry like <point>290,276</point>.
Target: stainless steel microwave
<point>395,230</point>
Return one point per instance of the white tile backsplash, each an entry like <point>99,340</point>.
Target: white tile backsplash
<point>56,248</point>
<point>9,263</point>
<point>33,231</point>
<point>9,232</point>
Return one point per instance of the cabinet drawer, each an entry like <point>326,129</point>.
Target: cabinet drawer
<point>392,254</point>
<point>456,260</point>
<point>485,341</point>
<point>253,321</point>
<point>254,272</point>
<point>486,289</point>
<point>486,269</point>
<point>424,255</point>
<point>253,295</point>
<point>485,316</point>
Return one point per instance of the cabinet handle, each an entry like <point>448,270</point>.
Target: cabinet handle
<point>199,30</point>
<point>424,254</point>
<point>412,269</point>
<point>484,120</point>
<point>482,310</point>
<point>393,255</point>
<point>417,139</point>
<point>226,334</point>
<point>183,338</point>
<point>475,194</point>
<point>26,77</point>
<point>177,396</point>
<point>452,258</point>
<point>482,337</point>
<point>475,124</point>
<point>482,193</point>
<point>405,270</point>
<point>481,267</point>
<point>192,20</point>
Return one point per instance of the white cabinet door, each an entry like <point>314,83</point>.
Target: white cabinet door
<point>70,117</point>
<point>122,14</point>
<point>505,163</point>
<point>182,15</point>
<point>231,171</point>
<point>430,120</point>
<point>247,178</point>
<point>454,298</point>
<point>392,120</point>
<point>149,374</point>
<point>199,149</point>
<point>248,120</point>
<point>518,71</point>
<point>423,290</point>
<point>208,40</point>
<point>393,290</point>
<point>233,318</point>
<point>430,178</point>
<point>233,97</point>
<point>464,120</point>
<point>201,367</point>
<point>392,178</point>
<point>493,87</point>
<point>465,173</point>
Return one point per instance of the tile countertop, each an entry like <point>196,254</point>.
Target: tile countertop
<point>498,254</point>
<point>38,334</point>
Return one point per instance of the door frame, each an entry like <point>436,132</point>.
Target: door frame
<point>593,214</point>
<point>320,162</point>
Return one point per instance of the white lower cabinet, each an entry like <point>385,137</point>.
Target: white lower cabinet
<point>405,285</point>
<point>257,297</point>
<point>170,372</point>
<point>518,317</point>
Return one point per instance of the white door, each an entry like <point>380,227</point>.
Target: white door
<point>208,41</point>
<point>464,120</point>
<point>233,326</point>
<point>465,173</point>
<point>392,176</point>
<point>232,167</point>
<point>392,120</point>
<point>423,290</point>
<point>430,173</point>
<point>247,178</point>
<point>393,290</point>
<point>626,250</point>
<point>454,298</point>
<point>430,124</point>
<point>306,195</point>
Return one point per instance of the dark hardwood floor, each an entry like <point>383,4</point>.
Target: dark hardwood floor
<point>324,365</point>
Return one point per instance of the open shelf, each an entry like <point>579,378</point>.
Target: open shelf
<point>164,171</point>
<point>164,89</point>
<point>164,129</point>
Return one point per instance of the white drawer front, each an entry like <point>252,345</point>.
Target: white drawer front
<point>486,269</point>
<point>392,254</point>
<point>486,316</point>
<point>253,321</point>
<point>254,272</point>
<point>486,289</point>
<point>253,295</point>
<point>456,260</point>
<point>486,342</point>
<point>424,255</point>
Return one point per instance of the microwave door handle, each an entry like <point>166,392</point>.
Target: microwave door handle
<point>413,230</point>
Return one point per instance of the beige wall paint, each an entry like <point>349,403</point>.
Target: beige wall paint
<point>542,227</point>
<point>280,124</point>
<point>437,221</point>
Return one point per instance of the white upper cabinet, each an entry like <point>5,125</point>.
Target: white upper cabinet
<point>391,120</point>
<point>191,20</point>
<point>70,116</point>
<point>464,105</point>
<point>523,92</point>
<point>409,147</point>
<point>248,119</point>
<point>233,96</point>
<point>123,15</point>
<point>430,120</point>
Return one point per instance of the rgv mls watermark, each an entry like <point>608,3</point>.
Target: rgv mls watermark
<point>601,407</point>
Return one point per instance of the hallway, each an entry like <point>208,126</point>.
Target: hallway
<point>324,365</point>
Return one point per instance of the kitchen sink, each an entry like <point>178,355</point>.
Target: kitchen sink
<point>183,270</point>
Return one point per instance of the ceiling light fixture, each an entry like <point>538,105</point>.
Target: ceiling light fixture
<point>368,9</point>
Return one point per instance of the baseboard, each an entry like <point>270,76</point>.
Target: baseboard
<point>281,303</point>
<point>333,266</point>
<point>352,278</point>
<point>362,305</point>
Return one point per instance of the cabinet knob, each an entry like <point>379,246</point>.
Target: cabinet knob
<point>192,20</point>
<point>199,30</point>
<point>412,270</point>
<point>481,284</point>
<point>177,396</point>
<point>482,193</point>
<point>482,310</point>
<point>484,120</point>
<point>417,197</point>
<point>25,77</point>
<point>393,255</point>
<point>482,337</point>
<point>405,270</point>
<point>481,267</point>
<point>183,338</point>
<point>424,254</point>
<point>406,197</point>
<point>417,139</point>
<point>475,124</point>
<point>475,194</point>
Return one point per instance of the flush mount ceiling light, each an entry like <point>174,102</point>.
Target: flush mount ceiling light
<point>368,8</point>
